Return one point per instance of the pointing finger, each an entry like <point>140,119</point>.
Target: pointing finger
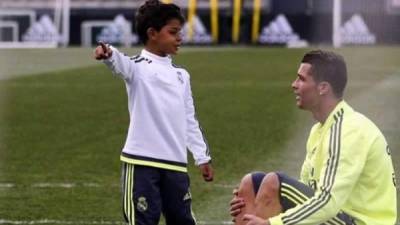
<point>103,46</point>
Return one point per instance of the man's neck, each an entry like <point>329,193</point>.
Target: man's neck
<point>322,111</point>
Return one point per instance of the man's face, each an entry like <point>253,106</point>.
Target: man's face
<point>169,37</point>
<point>305,88</point>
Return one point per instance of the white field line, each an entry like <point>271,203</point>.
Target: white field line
<point>95,222</point>
<point>6,185</point>
<point>227,186</point>
<point>89,185</point>
<point>84,222</point>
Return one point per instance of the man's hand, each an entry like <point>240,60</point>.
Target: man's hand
<point>236,203</point>
<point>207,172</point>
<point>102,51</point>
<point>254,220</point>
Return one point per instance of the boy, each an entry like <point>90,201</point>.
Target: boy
<point>162,125</point>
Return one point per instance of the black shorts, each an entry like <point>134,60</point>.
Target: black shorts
<point>150,191</point>
<point>292,192</point>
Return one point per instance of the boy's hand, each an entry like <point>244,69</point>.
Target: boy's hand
<point>207,172</point>
<point>102,51</point>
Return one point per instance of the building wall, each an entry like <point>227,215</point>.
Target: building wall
<point>311,19</point>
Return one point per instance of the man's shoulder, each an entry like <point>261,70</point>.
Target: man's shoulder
<point>359,123</point>
<point>357,120</point>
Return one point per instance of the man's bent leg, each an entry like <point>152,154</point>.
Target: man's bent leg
<point>247,190</point>
<point>279,192</point>
<point>267,202</point>
<point>293,192</point>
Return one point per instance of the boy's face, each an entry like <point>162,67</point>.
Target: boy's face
<point>168,39</point>
<point>306,88</point>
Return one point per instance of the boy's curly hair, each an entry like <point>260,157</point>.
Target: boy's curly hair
<point>155,14</point>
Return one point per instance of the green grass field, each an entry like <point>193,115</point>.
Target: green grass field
<point>63,121</point>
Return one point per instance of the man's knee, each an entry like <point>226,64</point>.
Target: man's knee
<point>269,187</point>
<point>251,182</point>
<point>246,185</point>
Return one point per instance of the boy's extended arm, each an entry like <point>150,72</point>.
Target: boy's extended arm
<point>120,64</point>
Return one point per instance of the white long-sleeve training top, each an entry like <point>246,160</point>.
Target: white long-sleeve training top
<point>163,123</point>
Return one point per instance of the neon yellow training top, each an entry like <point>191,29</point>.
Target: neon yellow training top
<point>349,166</point>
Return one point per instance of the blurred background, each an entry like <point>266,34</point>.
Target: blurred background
<point>276,22</point>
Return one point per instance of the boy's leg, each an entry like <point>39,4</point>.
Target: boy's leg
<point>176,198</point>
<point>247,190</point>
<point>141,194</point>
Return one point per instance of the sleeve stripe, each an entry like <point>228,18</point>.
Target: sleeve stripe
<point>139,60</point>
<point>331,172</point>
<point>316,204</point>
<point>308,210</point>
<point>201,130</point>
<point>329,178</point>
<point>204,139</point>
<point>135,57</point>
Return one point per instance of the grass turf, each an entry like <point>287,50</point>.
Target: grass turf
<point>68,126</point>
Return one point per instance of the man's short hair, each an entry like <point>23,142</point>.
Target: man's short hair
<point>328,66</point>
<point>155,14</point>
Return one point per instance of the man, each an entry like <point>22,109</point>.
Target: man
<point>347,176</point>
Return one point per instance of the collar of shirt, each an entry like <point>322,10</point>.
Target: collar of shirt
<point>163,60</point>
<point>341,107</point>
